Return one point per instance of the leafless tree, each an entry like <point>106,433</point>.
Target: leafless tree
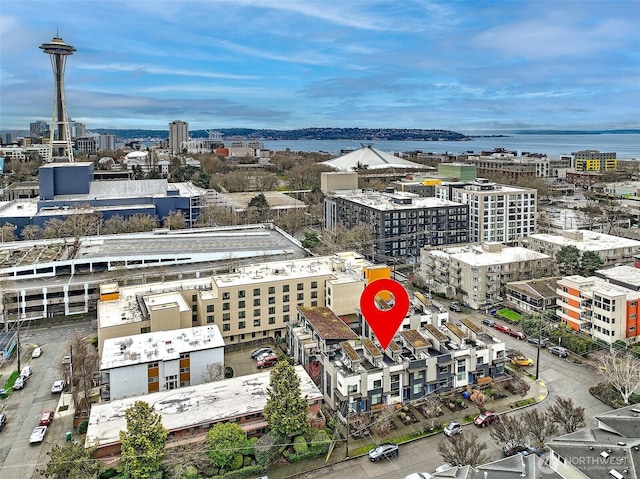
<point>510,431</point>
<point>8,233</point>
<point>463,450</point>
<point>213,372</point>
<point>382,423</point>
<point>54,228</point>
<point>540,426</point>
<point>567,415</point>
<point>432,408</point>
<point>174,221</point>
<point>84,367</point>
<point>619,369</point>
<point>31,232</point>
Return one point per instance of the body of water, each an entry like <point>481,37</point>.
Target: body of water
<point>626,146</point>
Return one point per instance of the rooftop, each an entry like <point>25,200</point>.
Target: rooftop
<point>192,406</point>
<point>158,346</point>
<point>326,323</point>
<point>372,159</point>
<point>591,240</point>
<point>479,256</point>
<point>393,201</point>
<point>629,275</point>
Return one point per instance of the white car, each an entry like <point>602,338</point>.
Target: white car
<point>36,353</point>
<point>453,428</point>
<point>38,434</point>
<point>26,372</point>
<point>58,386</point>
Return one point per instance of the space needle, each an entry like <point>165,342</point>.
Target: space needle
<point>60,140</point>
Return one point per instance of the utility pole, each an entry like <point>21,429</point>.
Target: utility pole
<point>18,348</point>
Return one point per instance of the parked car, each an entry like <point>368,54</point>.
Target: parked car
<point>38,434</point>
<point>537,342</point>
<point>455,307</point>
<point>264,355</point>
<point>19,384</point>
<point>443,467</point>
<point>36,353</point>
<point>453,428</point>
<point>486,418</point>
<point>418,475</point>
<point>3,420</point>
<point>502,327</point>
<point>524,449</point>
<point>46,418</point>
<point>489,322</point>
<point>26,372</point>
<point>267,361</point>
<point>522,361</point>
<point>259,351</point>
<point>517,334</point>
<point>58,386</point>
<point>383,451</point>
<point>559,351</point>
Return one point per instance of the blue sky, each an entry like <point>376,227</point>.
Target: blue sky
<point>280,64</point>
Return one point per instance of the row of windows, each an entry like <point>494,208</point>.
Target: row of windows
<point>226,295</point>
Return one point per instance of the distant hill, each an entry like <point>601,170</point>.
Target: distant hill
<point>364,134</point>
<point>579,132</point>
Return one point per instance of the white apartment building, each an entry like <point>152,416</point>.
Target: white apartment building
<point>160,361</point>
<point>611,249</point>
<point>607,312</point>
<point>479,274</point>
<point>497,213</point>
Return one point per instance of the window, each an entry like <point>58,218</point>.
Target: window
<point>226,296</point>
<point>300,296</point>
<point>272,310</point>
<point>285,288</point>
<point>256,323</point>
<point>376,399</point>
<point>153,379</point>
<point>226,327</point>
<point>194,308</point>
<point>226,316</point>
<point>314,304</point>
<point>417,388</point>
<point>194,298</point>
<point>285,308</point>
<point>241,304</point>
<point>285,318</point>
<point>377,384</point>
<point>272,320</point>
<point>314,284</point>
<point>145,330</point>
<point>285,298</point>
<point>256,291</point>
<point>256,312</point>
<point>418,375</point>
<point>300,286</point>
<point>256,302</point>
<point>242,325</point>
<point>226,306</point>
<point>314,294</point>
<point>209,318</point>
<point>241,294</point>
<point>209,308</point>
<point>272,300</point>
<point>272,290</point>
<point>352,389</point>
<point>152,365</point>
<point>184,370</point>
<point>242,315</point>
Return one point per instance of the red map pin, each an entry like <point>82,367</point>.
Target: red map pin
<point>384,323</point>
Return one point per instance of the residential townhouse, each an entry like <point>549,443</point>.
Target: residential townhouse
<point>478,274</point>
<point>607,312</point>
<point>532,296</point>
<point>355,374</point>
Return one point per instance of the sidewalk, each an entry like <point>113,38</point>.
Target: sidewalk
<point>538,391</point>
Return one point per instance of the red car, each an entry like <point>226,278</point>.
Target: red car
<point>503,328</point>
<point>46,418</point>
<point>267,361</point>
<point>517,334</point>
<point>486,418</point>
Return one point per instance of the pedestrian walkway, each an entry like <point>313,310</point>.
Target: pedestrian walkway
<point>356,447</point>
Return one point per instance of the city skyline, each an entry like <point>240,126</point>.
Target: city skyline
<point>465,66</point>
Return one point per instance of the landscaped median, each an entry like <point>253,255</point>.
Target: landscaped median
<point>6,390</point>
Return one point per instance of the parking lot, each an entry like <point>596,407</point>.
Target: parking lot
<point>241,361</point>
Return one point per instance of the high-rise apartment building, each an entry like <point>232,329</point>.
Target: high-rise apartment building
<point>38,128</point>
<point>497,213</point>
<point>107,142</point>
<point>178,132</point>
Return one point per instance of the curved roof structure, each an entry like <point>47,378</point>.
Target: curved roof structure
<point>370,158</point>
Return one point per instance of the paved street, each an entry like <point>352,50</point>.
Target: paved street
<point>19,459</point>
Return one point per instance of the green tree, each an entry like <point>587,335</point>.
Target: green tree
<point>260,206</point>
<point>589,262</point>
<point>568,260</point>
<point>286,410</point>
<point>71,461</point>
<point>143,442</point>
<point>225,441</point>
<point>310,240</point>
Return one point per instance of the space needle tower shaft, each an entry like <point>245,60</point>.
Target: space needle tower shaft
<point>60,138</point>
